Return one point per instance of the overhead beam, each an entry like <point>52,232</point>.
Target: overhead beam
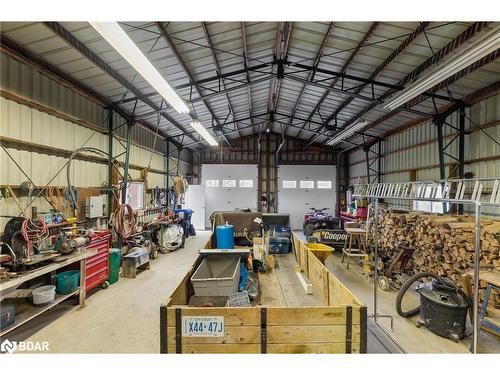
<point>280,53</point>
<point>184,66</point>
<point>438,56</point>
<point>219,70</point>
<point>486,60</point>
<point>85,51</point>
<point>344,68</point>
<point>312,73</point>
<point>409,39</point>
<point>247,71</point>
<point>19,52</point>
<point>256,68</point>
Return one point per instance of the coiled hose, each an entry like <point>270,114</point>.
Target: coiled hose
<point>34,231</point>
<point>124,224</point>
<point>402,292</point>
<point>409,282</point>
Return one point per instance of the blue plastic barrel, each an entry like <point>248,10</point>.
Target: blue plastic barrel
<point>224,235</point>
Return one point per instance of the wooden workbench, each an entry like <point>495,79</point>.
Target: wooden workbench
<point>10,285</point>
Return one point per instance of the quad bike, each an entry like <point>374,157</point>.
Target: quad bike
<point>317,219</point>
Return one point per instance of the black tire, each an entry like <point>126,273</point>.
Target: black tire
<point>402,292</point>
<point>308,228</point>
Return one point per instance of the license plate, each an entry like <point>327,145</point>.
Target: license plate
<point>203,326</point>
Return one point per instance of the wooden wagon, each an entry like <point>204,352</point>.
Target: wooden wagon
<point>336,326</point>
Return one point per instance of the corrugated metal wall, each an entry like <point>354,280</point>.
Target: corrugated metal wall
<point>23,123</point>
<point>416,151</point>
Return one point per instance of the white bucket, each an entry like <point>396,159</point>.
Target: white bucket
<point>44,294</point>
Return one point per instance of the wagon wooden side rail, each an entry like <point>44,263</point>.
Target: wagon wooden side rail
<point>339,326</point>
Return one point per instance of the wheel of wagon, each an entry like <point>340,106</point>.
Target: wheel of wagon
<point>105,285</point>
<point>383,283</point>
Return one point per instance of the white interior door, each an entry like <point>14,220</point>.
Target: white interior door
<point>229,186</point>
<point>195,200</point>
<point>302,187</point>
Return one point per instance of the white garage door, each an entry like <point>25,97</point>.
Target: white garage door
<point>229,186</point>
<point>301,187</point>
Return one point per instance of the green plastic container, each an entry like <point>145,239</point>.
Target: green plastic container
<point>114,265</point>
<point>67,282</point>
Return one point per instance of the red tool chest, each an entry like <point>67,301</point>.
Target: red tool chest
<point>97,266</point>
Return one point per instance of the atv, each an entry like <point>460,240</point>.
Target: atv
<point>317,219</point>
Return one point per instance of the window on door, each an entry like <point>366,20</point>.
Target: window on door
<point>228,183</point>
<point>289,184</point>
<point>324,184</point>
<point>306,184</point>
<point>212,183</point>
<point>246,184</point>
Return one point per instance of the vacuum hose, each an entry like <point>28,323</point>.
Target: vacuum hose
<point>404,288</point>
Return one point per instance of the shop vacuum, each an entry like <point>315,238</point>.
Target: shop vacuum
<point>443,308</point>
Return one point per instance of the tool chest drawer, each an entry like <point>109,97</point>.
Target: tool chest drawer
<point>97,266</point>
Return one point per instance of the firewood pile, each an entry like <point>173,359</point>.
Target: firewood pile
<point>444,243</point>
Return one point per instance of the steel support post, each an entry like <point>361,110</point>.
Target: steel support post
<point>127,158</point>
<point>379,161</point>
<point>477,253</point>
<point>167,180</point>
<point>367,160</point>
<point>375,260</point>
<point>442,173</point>
<point>461,150</point>
<point>110,161</point>
<point>439,128</point>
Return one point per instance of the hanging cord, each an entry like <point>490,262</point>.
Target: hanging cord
<point>34,231</point>
<point>124,220</point>
<point>56,197</point>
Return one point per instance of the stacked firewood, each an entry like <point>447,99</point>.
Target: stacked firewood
<point>444,244</point>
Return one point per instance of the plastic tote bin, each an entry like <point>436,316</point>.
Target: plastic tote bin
<point>279,245</point>
<point>279,231</point>
<point>8,316</point>
<point>217,276</point>
<point>67,282</point>
<point>114,265</point>
<point>44,295</point>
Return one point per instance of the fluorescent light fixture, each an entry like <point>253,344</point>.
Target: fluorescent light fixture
<point>201,130</point>
<point>347,132</point>
<point>487,44</point>
<point>121,42</point>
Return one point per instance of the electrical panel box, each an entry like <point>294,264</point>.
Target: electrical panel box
<point>93,207</point>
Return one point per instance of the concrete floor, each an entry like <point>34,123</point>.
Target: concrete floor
<point>124,318</point>
<point>411,338</point>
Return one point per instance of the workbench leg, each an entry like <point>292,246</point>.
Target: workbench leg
<point>82,293</point>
